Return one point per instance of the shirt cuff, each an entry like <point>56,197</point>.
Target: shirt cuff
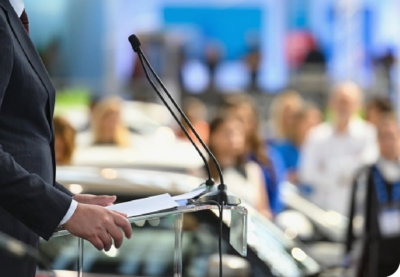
<point>70,212</point>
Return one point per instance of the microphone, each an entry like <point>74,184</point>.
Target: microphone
<point>209,184</point>
<point>221,195</point>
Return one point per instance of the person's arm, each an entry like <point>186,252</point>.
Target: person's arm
<point>22,194</point>
<point>63,189</point>
<point>370,153</point>
<point>30,199</point>
<point>263,205</point>
<point>358,210</point>
<point>41,206</point>
<point>262,199</point>
<point>311,171</point>
<point>349,231</point>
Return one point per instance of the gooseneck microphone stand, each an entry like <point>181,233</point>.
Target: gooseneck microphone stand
<point>221,195</point>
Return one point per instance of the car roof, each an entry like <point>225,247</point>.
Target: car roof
<point>125,180</point>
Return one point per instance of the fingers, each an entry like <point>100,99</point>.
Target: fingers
<point>96,243</point>
<point>116,234</point>
<point>105,239</point>
<point>119,213</point>
<point>124,224</point>
<point>103,200</point>
<point>99,226</point>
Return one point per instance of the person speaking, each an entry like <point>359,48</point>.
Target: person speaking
<point>32,203</point>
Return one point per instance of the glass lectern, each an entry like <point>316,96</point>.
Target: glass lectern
<point>234,216</point>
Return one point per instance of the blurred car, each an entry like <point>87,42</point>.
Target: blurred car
<point>323,232</point>
<point>271,252</point>
<point>153,143</point>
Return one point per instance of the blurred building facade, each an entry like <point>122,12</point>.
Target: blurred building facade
<point>220,46</point>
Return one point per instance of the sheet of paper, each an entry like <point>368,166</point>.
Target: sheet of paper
<point>189,195</point>
<point>145,205</point>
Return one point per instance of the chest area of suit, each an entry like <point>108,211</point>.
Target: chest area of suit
<point>27,90</point>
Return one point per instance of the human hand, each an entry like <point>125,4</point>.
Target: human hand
<point>99,226</point>
<point>100,200</point>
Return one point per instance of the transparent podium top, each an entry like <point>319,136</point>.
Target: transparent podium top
<point>234,217</point>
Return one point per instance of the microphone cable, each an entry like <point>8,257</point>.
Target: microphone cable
<point>221,223</point>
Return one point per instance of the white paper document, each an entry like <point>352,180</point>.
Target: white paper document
<point>145,205</point>
<point>189,195</point>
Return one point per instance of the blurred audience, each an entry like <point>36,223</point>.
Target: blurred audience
<point>315,58</point>
<point>253,60</point>
<point>373,239</point>
<point>384,65</point>
<point>306,118</point>
<point>213,57</point>
<point>64,142</point>
<point>107,126</point>
<point>333,151</point>
<point>266,156</point>
<point>196,112</point>
<point>243,176</point>
<point>282,113</point>
<point>375,108</point>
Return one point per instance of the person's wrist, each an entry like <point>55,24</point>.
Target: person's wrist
<point>77,210</point>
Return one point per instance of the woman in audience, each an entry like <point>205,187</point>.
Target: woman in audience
<point>243,177</point>
<point>196,112</point>
<point>266,156</point>
<point>306,118</point>
<point>282,114</point>
<point>107,126</point>
<point>64,144</point>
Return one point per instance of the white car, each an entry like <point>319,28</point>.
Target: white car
<point>153,141</point>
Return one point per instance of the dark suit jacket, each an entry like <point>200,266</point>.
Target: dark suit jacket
<point>32,204</point>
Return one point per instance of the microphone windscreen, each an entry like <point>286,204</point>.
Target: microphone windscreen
<point>135,42</point>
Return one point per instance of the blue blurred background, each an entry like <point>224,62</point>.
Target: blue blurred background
<point>86,41</point>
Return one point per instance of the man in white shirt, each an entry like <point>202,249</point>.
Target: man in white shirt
<point>333,151</point>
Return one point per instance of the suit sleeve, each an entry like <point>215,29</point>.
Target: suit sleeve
<point>26,196</point>
<point>349,232</point>
<point>63,189</point>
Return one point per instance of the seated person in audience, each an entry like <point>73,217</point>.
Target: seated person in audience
<point>375,108</point>
<point>333,151</point>
<point>266,156</point>
<point>306,118</point>
<point>373,238</point>
<point>243,177</point>
<point>196,112</point>
<point>107,126</point>
<point>64,144</point>
<point>282,115</point>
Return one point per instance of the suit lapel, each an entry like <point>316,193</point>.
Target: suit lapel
<point>30,51</point>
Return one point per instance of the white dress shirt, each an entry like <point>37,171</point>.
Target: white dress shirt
<point>246,188</point>
<point>19,7</point>
<point>390,170</point>
<point>329,161</point>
